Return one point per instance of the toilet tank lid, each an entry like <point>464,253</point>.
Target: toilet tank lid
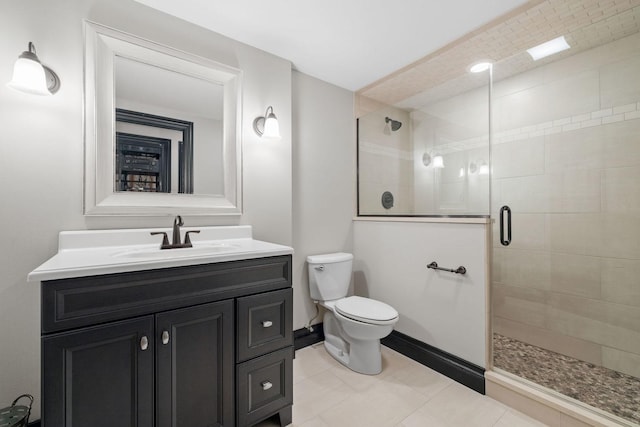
<point>329,258</point>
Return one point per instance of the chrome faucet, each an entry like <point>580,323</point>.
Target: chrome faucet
<point>175,244</point>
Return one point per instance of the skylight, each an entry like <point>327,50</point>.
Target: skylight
<point>548,48</point>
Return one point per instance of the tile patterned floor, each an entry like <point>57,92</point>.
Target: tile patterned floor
<point>405,394</point>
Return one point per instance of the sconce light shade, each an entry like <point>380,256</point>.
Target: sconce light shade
<point>267,126</point>
<point>438,162</point>
<point>484,169</point>
<point>271,127</point>
<point>30,76</point>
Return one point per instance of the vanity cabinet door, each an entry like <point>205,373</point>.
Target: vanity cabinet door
<point>194,366</point>
<point>99,376</point>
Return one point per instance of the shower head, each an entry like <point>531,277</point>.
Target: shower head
<point>395,125</point>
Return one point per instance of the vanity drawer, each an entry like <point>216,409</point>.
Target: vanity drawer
<point>264,322</point>
<point>83,301</point>
<point>265,385</point>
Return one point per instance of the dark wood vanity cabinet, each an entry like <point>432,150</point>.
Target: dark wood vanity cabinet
<point>206,345</point>
<point>265,356</point>
<point>94,373</point>
<point>194,382</point>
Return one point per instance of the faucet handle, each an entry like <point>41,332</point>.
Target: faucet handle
<point>165,240</point>
<point>187,239</point>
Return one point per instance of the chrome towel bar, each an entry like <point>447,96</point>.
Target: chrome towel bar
<point>459,270</point>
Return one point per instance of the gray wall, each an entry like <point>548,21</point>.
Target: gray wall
<point>323,179</point>
<point>41,154</point>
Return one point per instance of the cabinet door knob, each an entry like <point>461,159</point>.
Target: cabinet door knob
<point>267,323</point>
<point>266,385</point>
<point>165,337</point>
<point>144,343</point>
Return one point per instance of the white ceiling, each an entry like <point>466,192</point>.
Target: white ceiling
<point>350,43</point>
<point>138,82</point>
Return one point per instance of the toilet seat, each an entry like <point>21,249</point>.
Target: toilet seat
<point>366,310</point>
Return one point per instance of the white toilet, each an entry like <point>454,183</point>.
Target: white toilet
<point>353,325</point>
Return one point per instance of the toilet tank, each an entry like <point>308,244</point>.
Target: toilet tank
<point>329,276</point>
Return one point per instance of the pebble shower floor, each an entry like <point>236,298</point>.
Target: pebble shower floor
<point>606,389</point>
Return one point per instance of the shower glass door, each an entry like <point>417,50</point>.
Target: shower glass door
<point>565,166</point>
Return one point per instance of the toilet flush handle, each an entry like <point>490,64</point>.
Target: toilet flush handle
<point>320,268</point>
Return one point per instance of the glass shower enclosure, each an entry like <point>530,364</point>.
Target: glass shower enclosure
<point>566,180</point>
<point>549,151</point>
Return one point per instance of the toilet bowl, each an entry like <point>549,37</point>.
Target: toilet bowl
<point>353,326</point>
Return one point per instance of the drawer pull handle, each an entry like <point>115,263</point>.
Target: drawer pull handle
<point>267,324</point>
<point>144,343</point>
<point>266,385</point>
<point>165,337</point>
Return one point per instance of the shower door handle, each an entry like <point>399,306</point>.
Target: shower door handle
<point>507,210</point>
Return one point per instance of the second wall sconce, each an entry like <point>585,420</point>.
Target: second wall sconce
<point>436,161</point>
<point>30,76</point>
<point>267,126</point>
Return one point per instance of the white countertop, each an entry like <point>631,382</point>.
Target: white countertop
<point>96,252</point>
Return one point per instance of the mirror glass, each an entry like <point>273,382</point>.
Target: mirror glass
<point>162,129</point>
<point>156,111</point>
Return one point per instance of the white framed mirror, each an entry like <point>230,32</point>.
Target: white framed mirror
<point>162,129</point>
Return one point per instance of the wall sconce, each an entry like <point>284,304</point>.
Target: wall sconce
<point>267,126</point>
<point>30,76</point>
<point>436,160</point>
<point>473,168</point>
<point>480,167</point>
<point>484,169</point>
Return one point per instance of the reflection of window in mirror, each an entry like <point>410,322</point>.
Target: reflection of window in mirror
<point>164,96</point>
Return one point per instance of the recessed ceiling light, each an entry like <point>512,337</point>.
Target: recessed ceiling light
<point>479,67</point>
<point>548,48</point>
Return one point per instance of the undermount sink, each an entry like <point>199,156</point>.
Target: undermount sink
<point>157,253</point>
